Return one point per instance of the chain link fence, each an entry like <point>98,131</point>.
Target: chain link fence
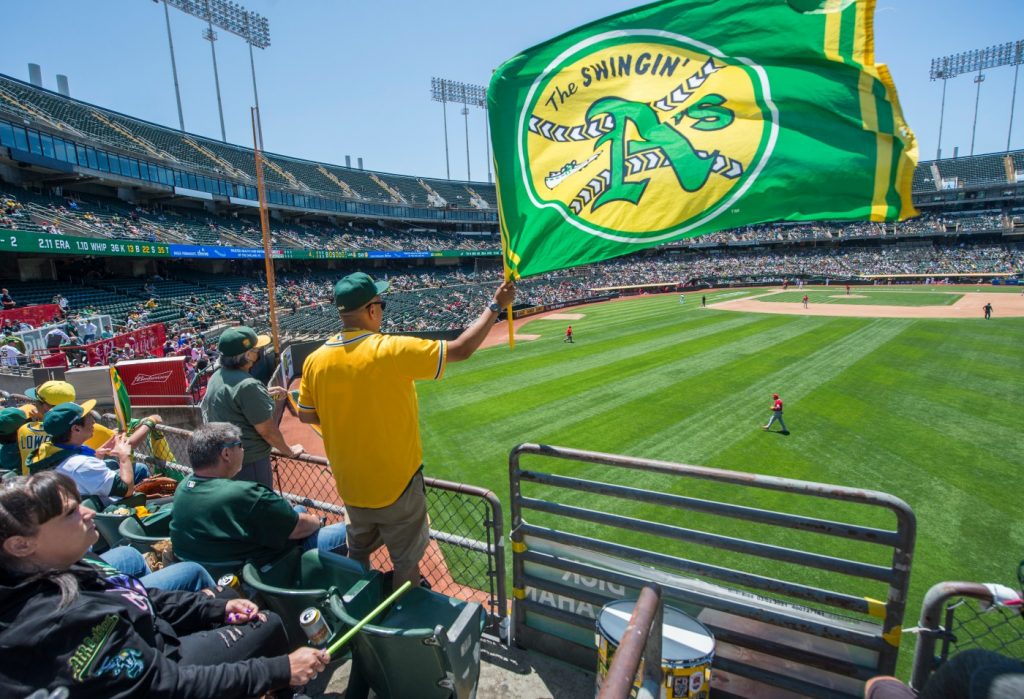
<point>959,616</point>
<point>466,555</point>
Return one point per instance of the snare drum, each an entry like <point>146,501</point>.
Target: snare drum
<point>687,649</point>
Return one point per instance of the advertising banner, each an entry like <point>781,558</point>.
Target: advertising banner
<point>147,340</point>
<point>155,381</point>
<point>40,314</point>
<point>26,242</point>
<point>31,242</point>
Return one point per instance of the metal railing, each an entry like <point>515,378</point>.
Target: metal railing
<point>641,643</point>
<point>466,556</point>
<point>788,607</point>
<point>959,616</point>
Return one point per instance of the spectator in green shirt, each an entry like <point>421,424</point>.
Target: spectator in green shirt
<point>236,397</point>
<point>218,518</point>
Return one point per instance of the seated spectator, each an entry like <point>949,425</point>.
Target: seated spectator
<point>6,300</point>
<point>69,427</point>
<point>9,354</point>
<point>110,636</point>
<point>220,519</point>
<point>11,420</point>
<point>11,339</point>
<point>51,393</point>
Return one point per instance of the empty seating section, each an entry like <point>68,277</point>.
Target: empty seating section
<point>978,170</point>
<point>453,192</point>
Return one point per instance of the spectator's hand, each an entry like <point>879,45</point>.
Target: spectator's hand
<point>277,392</point>
<point>306,664</point>
<point>121,448</point>
<point>241,611</point>
<point>298,450</point>
<point>155,418</point>
<point>505,294</point>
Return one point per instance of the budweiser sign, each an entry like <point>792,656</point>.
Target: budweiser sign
<point>140,379</point>
<point>155,382</point>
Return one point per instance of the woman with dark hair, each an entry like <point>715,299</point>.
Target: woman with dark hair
<point>66,623</point>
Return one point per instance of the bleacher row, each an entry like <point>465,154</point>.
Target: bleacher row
<point>106,217</point>
<point>208,156</point>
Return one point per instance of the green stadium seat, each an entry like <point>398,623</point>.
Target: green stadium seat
<point>143,533</point>
<point>296,582</point>
<point>426,645</point>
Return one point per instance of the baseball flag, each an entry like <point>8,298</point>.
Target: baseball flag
<point>684,117</point>
<point>123,412</point>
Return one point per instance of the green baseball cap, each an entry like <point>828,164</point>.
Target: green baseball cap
<point>10,420</point>
<point>236,341</point>
<point>356,290</point>
<point>61,417</point>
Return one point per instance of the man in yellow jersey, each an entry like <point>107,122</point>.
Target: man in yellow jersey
<point>358,387</point>
<point>51,393</point>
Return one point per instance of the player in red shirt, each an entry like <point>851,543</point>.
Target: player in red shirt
<point>568,335</point>
<point>776,414</point>
<point>805,300</point>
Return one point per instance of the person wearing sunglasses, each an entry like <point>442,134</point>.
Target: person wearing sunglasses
<point>219,518</point>
<point>233,395</point>
<point>359,387</point>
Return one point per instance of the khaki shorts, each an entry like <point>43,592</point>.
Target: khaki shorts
<point>401,526</point>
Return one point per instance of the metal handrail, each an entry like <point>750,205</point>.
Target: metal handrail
<point>640,642</point>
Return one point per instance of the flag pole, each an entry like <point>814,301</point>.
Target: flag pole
<point>505,249</point>
<point>265,227</point>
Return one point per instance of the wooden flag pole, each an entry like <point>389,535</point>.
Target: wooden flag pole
<point>265,227</point>
<point>505,250</point>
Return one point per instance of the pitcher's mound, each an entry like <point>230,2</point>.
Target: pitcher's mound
<point>563,316</point>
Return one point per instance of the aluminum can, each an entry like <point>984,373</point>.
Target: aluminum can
<point>229,580</point>
<point>316,628</point>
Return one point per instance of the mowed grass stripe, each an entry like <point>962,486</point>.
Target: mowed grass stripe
<point>542,410</point>
<point>737,403</point>
<point>535,370</point>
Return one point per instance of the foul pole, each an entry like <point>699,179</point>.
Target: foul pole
<point>265,227</point>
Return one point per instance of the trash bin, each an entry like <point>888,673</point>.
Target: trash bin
<point>687,649</point>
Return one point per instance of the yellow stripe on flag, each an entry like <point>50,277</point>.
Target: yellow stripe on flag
<point>864,35</point>
<point>833,27</point>
<point>904,175</point>
<point>883,146</point>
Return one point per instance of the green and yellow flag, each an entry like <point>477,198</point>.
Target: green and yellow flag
<point>684,117</point>
<point>123,412</point>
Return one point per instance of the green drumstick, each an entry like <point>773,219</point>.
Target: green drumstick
<point>336,646</point>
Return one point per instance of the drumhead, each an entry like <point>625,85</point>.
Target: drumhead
<point>684,639</point>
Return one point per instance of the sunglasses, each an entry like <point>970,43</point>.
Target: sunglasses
<point>229,445</point>
<point>382,304</point>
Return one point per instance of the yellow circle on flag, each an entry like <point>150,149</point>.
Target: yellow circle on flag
<point>640,136</point>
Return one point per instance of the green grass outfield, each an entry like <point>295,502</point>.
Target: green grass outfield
<point>870,297</point>
<point>927,410</point>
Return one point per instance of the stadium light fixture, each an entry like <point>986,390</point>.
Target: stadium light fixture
<point>231,17</point>
<point>468,95</point>
<point>945,68</point>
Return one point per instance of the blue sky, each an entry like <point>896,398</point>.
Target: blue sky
<point>354,77</point>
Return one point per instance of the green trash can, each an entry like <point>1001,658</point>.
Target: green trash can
<point>425,646</point>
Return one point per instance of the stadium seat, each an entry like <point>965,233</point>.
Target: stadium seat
<point>143,533</point>
<point>296,582</point>
<point>426,645</point>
